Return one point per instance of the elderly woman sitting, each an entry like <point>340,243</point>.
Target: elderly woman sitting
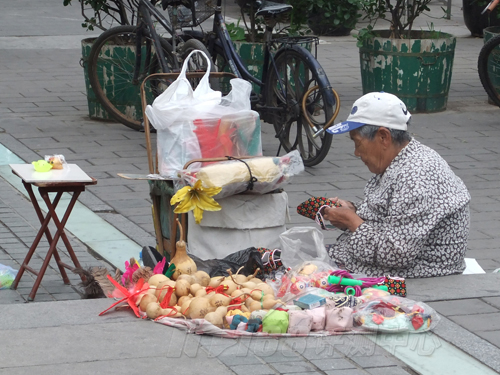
<point>414,218</point>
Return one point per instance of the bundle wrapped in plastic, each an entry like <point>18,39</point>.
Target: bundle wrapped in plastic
<point>259,175</point>
<point>394,314</point>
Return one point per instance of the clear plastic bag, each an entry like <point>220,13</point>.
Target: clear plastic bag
<point>394,314</point>
<point>7,276</point>
<point>267,174</point>
<point>304,278</point>
<point>57,161</point>
<point>299,244</point>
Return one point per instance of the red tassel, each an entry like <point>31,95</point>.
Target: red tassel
<point>417,321</point>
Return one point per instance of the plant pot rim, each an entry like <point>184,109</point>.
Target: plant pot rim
<point>442,35</point>
<point>492,29</point>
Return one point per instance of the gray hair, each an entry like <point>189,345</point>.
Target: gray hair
<point>398,136</point>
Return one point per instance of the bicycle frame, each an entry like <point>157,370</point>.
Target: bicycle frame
<point>237,67</point>
<point>146,12</point>
<point>235,63</point>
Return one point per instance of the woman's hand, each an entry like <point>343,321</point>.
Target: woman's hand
<point>343,217</point>
<point>343,203</point>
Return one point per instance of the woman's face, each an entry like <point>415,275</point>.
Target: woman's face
<point>371,152</point>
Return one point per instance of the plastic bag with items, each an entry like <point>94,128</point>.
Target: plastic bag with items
<point>394,314</point>
<point>7,276</point>
<point>301,279</point>
<point>255,175</point>
<point>195,123</point>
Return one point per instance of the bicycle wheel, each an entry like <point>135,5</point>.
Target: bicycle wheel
<point>285,87</point>
<point>488,66</point>
<point>197,62</point>
<point>111,72</point>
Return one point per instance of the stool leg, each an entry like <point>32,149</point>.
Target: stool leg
<point>41,231</point>
<point>60,228</point>
<point>71,252</point>
<point>45,196</point>
<point>31,251</point>
<point>52,248</point>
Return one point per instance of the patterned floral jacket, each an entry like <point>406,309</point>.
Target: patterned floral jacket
<point>416,220</point>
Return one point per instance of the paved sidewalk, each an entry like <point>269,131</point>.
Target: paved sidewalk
<point>43,110</point>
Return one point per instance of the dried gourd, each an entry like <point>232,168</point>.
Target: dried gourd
<point>183,263</point>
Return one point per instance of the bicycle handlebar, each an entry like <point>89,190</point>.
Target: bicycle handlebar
<point>491,6</point>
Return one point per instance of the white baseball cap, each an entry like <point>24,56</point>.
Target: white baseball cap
<point>375,108</point>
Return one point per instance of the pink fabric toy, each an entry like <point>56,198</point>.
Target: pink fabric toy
<point>318,318</point>
<point>300,322</point>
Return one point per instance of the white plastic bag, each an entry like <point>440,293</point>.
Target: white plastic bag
<point>179,102</point>
<point>181,113</point>
<point>302,244</point>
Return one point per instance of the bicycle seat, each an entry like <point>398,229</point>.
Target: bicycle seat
<point>270,8</point>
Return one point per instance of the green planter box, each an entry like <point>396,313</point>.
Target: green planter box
<point>252,55</point>
<point>418,71</point>
<point>96,110</point>
<point>129,99</point>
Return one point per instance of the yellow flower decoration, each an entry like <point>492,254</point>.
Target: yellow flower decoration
<point>197,198</point>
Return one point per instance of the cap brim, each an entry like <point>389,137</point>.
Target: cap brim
<point>344,127</point>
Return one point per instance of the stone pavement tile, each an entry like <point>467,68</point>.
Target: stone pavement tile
<point>333,364</point>
<point>478,322</point>
<point>489,265</point>
<point>58,289</point>
<point>462,307</point>
<point>282,355</point>
<point>253,369</point>
<point>347,372</point>
<point>373,361</point>
<point>396,370</point>
<point>293,367</point>
<point>490,336</point>
<point>231,360</point>
<point>65,296</point>
<point>494,301</point>
<point>234,348</point>
<point>40,297</point>
<point>8,296</point>
<point>121,366</point>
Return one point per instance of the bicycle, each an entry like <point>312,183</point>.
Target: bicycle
<point>296,96</point>
<point>488,64</point>
<point>295,93</point>
<point>115,77</point>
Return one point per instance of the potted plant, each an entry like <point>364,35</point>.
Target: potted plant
<point>415,65</point>
<point>326,17</point>
<point>102,15</point>
<point>474,18</point>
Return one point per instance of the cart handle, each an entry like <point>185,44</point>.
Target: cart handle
<point>225,158</point>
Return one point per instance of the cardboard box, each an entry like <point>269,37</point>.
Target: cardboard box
<point>309,301</point>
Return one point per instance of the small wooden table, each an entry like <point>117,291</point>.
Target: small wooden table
<point>71,179</point>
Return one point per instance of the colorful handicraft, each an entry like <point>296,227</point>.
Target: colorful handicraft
<point>308,276</point>
<point>396,285</point>
<point>310,207</point>
<point>393,314</point>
